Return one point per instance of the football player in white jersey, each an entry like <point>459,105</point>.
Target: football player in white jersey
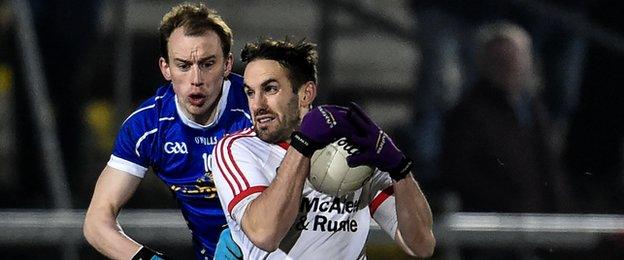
<point>260,174</point>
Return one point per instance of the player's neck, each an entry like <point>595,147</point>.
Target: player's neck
<point>198,121</point>
<point>206,118</point>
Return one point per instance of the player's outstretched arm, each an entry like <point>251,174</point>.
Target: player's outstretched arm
<point>112,191</point>
<point>414,233</point>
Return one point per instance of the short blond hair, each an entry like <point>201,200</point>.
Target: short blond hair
<point>196,19</point>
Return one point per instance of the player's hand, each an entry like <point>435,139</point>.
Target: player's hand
<point>376,147</point>
<point>227,248</point>
<point>319,127</point>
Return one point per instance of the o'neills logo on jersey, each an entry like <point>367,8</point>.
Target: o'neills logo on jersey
<point>323,223</point>
<point>211,140</point>
<point>175,147</point>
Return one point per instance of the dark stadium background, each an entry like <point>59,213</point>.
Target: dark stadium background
<point>71,71</point>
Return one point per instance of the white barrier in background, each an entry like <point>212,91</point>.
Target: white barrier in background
<point>527,230</point>
<point>168,226</point>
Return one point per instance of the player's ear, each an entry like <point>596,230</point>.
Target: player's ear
<point>307,94</point>
<point>229,61</point>
<point>164,68</point>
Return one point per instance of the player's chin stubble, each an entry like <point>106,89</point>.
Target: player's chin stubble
<point>284,128</point>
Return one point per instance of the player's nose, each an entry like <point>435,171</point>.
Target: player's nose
<point>258,103</point>
<point>196,76</point>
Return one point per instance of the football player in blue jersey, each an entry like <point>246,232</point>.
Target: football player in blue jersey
<point>174,132</point>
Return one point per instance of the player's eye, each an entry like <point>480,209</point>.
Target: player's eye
<point>206,65</point>
<point>249,93</point>
<point>271,88</point>
<point>183,66</point>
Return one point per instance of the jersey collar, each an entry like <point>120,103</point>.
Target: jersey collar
<point>220,108</point>
<point>283,144</point>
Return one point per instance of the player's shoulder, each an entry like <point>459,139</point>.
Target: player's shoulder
<point>236,95</point>
<point>161,104</point>
<point>236,109</point>
<point>236,144</point>
<point>236,80</point>
<point>246,134</point>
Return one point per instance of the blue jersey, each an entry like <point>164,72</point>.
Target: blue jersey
<point>160,136</point>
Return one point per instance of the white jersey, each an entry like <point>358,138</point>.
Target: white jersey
<point>326,227</point>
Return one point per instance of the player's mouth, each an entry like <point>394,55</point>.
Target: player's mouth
<point>197,99</point>
<point>264,120</point>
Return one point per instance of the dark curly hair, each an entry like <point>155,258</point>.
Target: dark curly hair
<point>299,58</point>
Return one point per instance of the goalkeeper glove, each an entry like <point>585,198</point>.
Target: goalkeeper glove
<point>319,127</point>
<point>376,147</point>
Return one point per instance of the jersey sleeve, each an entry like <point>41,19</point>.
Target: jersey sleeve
<point>238,175</point>
<point>133,145</point>
<point>382,205</point>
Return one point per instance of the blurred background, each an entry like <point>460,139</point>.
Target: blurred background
<point>534,172</point>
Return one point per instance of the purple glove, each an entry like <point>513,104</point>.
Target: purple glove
<point>319,127</point>
<point>376,147</point>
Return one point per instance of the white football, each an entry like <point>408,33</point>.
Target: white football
<point>330,173</point>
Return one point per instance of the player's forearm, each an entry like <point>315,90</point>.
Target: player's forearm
<point>103,232</point>
<point>268,218</point>
<point>411,200</point>
<point>414,217</point>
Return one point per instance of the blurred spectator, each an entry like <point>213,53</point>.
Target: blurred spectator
<point>444,32</point>
<point>496,153</point>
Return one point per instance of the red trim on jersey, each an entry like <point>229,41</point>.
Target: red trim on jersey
<point>224,157</point>
<point>244,131</point>
<point>380,198</point>
<point>284,145</point>
<point>217,153</point>
<point>221,160</point>
<point>244,194</point>
<point>229,149</point>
